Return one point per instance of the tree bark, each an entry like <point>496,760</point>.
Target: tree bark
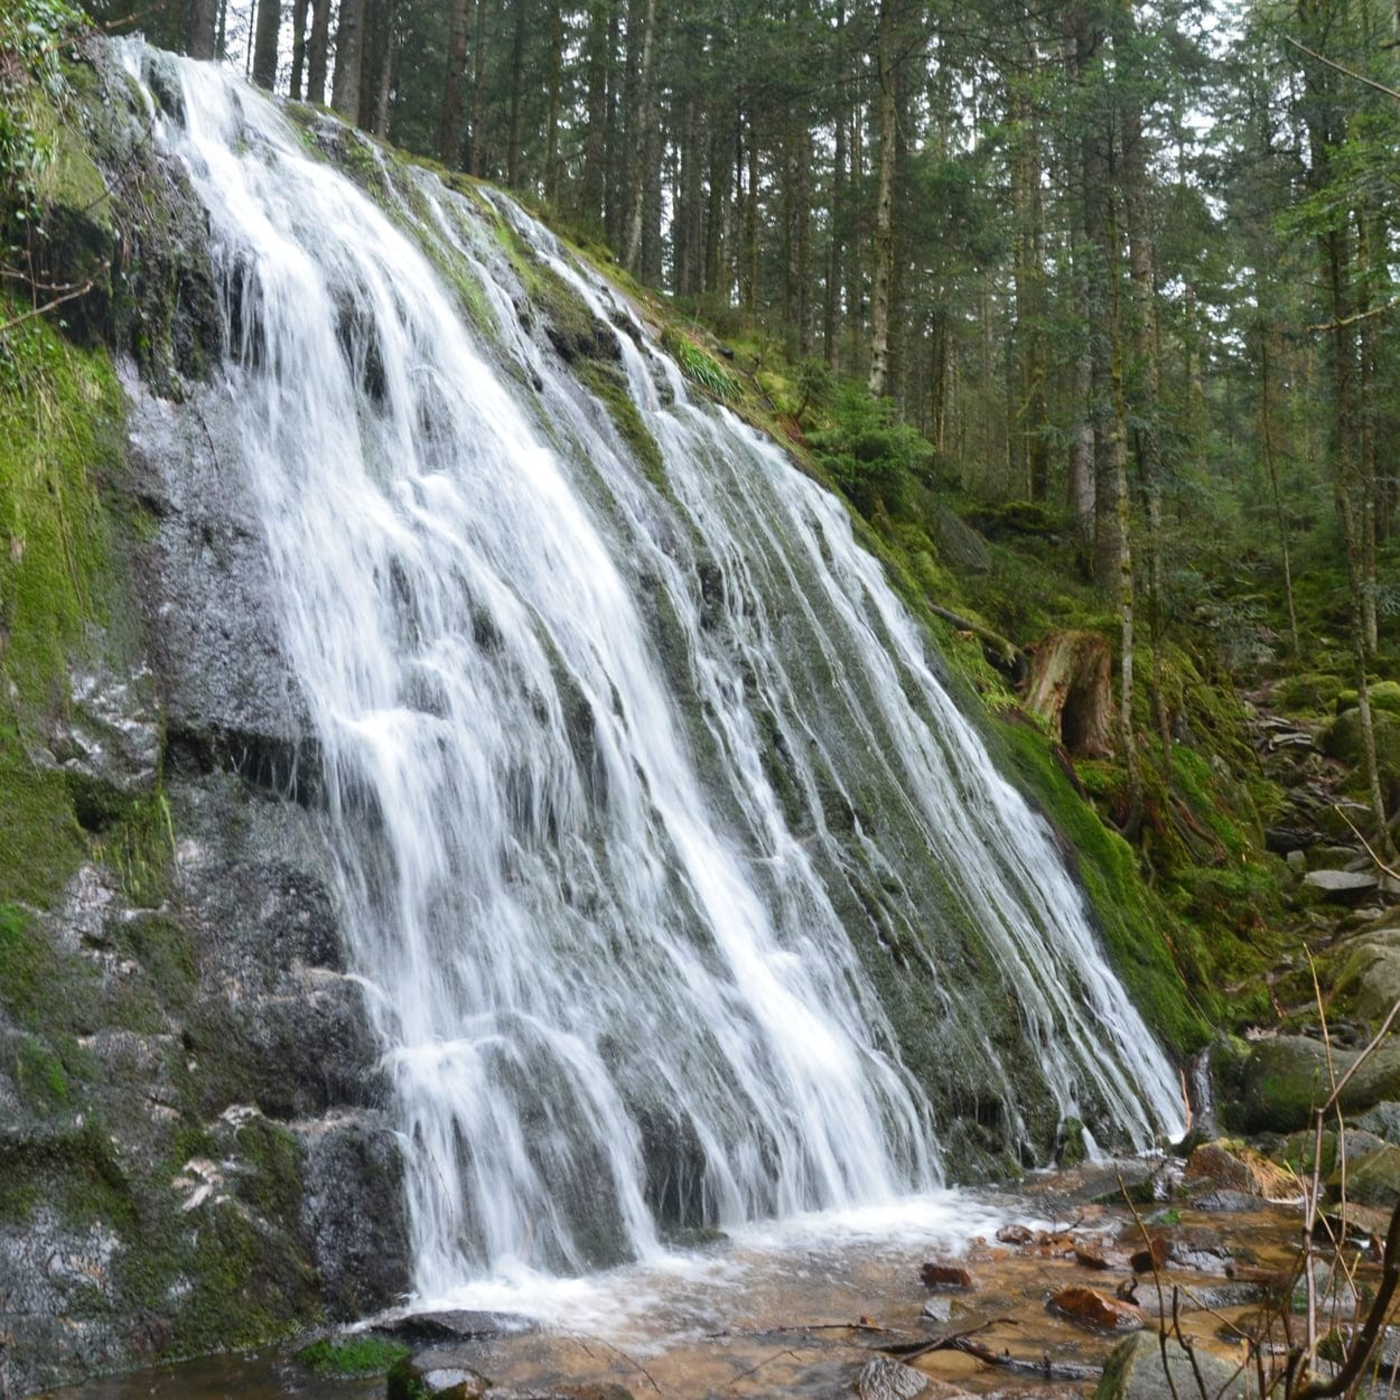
<point>455,84</point>
<point>517,98</point>
<point>884,206</point>
<point>632,254</point>
<point>1071,686</point>
<point>477,156</point>
<point>269,27</point>
<point>594,143</point>
<point>349,36</point>
<point>204,23</point>
<point>317,51</point>
<point>300,10</point>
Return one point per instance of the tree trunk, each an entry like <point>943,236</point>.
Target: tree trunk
<point>835,231</point>
<point>299,14</point>
<point>517,98</point>
<point>455,84</point>
<point>750,264</point>
<point>385,67</point>
<point>594,142</point>
<point>616,202</point>
<point>345,90</point>
<point>478,142</point>
<point>204,25</point>
<point>1266,443</point>
<point>642,135</point>
<point>265,44</point>
<point>1071,686</point>
<point>884,207</point>
<point>317,51</point>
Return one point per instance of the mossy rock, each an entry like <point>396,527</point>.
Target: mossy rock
<point>1372,1181</point>
<point>1284,1079</point>
<point>412,1378</point>
<point>1342,740</point>
<point>1155,955</point>
<point>1135,1371</point>
<point>1312,692</point>
<point>352,1356</point>
<point>1384,697</point>
<point>1364,973</point>
<point>1014,520</point>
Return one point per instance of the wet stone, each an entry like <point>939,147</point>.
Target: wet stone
<point>940,1274</point>
<point>1341,886</point>
<point>1201,1250</point>
<point>1088,1254</point>
<point>1198,1297</point>
<point>1153,1258</point>
<point>422,1378</point>
<point>884,1379</point>
<point>1228,1201</point>
<point>1094,1310</point>
<point>1135,1371</point>
<point>938,1310</point>
<point>464,1325</point>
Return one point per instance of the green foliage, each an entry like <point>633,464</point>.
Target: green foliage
<point>352,1356</point>
<point>874,457</point>
<point>703,370</point>
<point>33,35</point>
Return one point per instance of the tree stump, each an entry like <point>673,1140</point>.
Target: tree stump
<point>1071,686</point>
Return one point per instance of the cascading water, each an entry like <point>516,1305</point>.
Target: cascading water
<point>645,800</point>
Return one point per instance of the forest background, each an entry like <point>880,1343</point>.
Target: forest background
<point>1088,308</point>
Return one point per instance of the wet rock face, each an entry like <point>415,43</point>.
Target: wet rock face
<point>191,1109</point>
<point>228,695</point>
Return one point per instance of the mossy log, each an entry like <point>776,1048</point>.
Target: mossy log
<point>1070,685</point>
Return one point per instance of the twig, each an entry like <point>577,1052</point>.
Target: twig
<point>48,306</point>
<point>1356,316</point>
<point>1370,850</point>
<point>807,1327</point>
<point>582,1343</point>
<point>965,1344</point>
<point>767,1360</point>
<point>1361,1350</point>
<point>1342,68</point>
<point>952,1341</point>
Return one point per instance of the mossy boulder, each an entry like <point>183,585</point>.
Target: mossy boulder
<point>1384,697</point>
<point>1311,692</point>
<point>1372,1181</point>
<point>1135,1370</point>
<point>1365,975</point>
<point>1279,1084</point>
<point>350,1356</point>
<point>1342,740</point>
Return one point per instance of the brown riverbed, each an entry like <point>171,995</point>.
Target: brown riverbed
<point>798,1309</point>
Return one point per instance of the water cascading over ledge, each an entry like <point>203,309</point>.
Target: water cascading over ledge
<point>682,892</point>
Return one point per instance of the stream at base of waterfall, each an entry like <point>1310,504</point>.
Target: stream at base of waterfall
<point>802,1307</point>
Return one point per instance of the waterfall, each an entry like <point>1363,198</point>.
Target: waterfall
<point>646,801</point>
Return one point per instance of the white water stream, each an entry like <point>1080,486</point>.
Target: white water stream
<point>612,772</point>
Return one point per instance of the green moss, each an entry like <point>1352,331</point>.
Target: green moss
<point>1310,692</point>
<point>70,179</point>
<point>1158,958</point>
<point>1383,695</point>
<point>40,1077</point>
<point>608,384</point>
<point>139,845</point>
<point>352,1356</point>
<point>59,430</point>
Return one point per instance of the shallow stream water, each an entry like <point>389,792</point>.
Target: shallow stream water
<point>798,1308</point>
